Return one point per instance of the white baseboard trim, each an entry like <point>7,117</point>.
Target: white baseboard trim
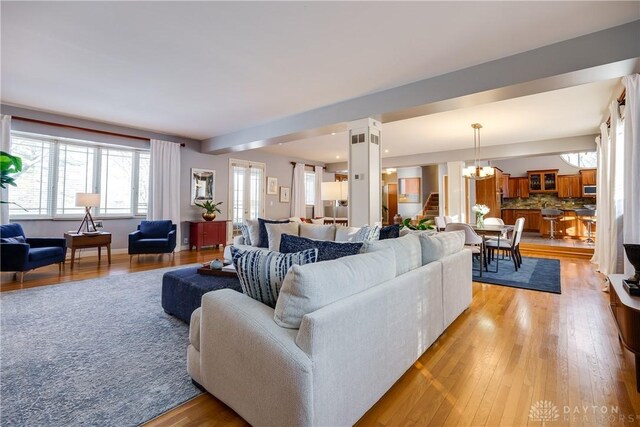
<point>94,251</point>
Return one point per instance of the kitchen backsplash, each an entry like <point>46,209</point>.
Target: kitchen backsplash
<point>539,201</point>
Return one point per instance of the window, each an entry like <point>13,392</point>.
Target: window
<point>54,170</point>
<point>310,188</point>
<point>246,191</point>
<point>581,160</point>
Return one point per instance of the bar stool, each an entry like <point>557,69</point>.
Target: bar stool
<point>551,215</point>
<point>587,216</point>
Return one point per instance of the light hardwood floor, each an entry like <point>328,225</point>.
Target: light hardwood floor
<point>510,350</point>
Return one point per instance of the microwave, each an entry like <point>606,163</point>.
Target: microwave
<point>588,191</point>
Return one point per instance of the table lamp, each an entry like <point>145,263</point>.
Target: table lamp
<point>334,191</point>
<point>87,200</point>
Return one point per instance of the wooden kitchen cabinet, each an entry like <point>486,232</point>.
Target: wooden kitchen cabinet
<point>531,218</point>
<point>488,192</point>
<point>508,216</point>
<point>518,187</point>
<point>544,181</point>
<point>207,233</point>
<point>569,186</point>
<point>588,176</point>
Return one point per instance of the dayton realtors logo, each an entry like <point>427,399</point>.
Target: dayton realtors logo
<point>544,411</point>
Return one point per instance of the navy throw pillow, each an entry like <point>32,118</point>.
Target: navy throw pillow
<point>262,231</point>
<point>390,232</point>
<point>327,250</point>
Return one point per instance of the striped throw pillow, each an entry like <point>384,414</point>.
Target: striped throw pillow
<point>245,234</point>
<point>261,272</point>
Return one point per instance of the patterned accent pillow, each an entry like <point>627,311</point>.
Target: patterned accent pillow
<point>327,250</point>
<point>245,234</point>
<point>261,273</point>
<point>263,240</point>
<point>390,232</point>
<point>367,234</point>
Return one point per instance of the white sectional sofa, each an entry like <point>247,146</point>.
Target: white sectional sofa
<point>345,354</point>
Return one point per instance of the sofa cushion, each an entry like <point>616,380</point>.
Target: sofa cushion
<point>327,250</point>
<point>437,246</point>
<point>37,254</point>
<point>263,237</point>
<point>406,250</point>
<point>306,288</point>
<point>244,230</point>
<point>346,234</point>
<point>11,230</point>
<point>318,221</point>
<point>152,243</point>
<point>253,227</point>
<point>155,229</point>
<point>404,231</point>
<point>390,232</point>
<point>16,239</point>
<point>275,231</point>
<point>318,232</point>
<point>261,272</point>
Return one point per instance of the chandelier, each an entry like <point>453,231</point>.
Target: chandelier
<point>476,171</point>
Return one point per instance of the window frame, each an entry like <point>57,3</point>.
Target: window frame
<point>308,173</point>
<point>579,154</point>
<point>55,144</point>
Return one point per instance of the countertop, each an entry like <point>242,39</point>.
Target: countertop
<point>537,209</point>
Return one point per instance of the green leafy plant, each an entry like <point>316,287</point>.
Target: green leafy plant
<point>209,206</point>
<point>9,166</point>
<point>423,224</point>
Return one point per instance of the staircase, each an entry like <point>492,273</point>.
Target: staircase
<point>431,208</point>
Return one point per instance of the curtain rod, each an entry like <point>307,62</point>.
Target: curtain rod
<point>103,132</point>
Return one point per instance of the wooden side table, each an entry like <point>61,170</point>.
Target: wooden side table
<point>83,241</point>
<point>626,312</point>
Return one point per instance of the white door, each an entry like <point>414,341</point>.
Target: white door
<point>246,192</point>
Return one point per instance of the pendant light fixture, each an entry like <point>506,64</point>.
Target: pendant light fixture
<point>476,171</point>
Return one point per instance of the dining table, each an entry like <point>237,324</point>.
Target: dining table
<point>497,231</point>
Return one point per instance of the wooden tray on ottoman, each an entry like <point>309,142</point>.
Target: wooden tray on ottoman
<point>207,271</point>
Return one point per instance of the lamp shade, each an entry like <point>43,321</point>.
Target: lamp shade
<point>87,199</point>
<point>336,190</point>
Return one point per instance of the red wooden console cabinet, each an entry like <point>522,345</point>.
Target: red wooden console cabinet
<point>207,233</point>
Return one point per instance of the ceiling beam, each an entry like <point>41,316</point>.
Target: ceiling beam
<point>606,54</point>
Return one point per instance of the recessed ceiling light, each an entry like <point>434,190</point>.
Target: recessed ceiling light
<point>279,143</point>
<point>333,133</point>
<point>386,151</point>
<point>337,157</point>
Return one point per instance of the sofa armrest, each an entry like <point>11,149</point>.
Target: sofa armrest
<point>46,242</point>
<point>13,256</point>
<point>252,364</point>
<point>172,238</point>
<point>238,240</point>
<point>134,237</point>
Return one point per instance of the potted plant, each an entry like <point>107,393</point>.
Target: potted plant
<point>422,224</point>
<point>210,209</point>
<point>9,165</point>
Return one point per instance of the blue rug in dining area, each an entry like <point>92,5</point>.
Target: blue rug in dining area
<point>538,274</point>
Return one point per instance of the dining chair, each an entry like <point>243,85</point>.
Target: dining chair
<point>440,223</point>
<point>451,219</point>
<point>472,240</point>
<point>493,221</point>
<point>512,246</point>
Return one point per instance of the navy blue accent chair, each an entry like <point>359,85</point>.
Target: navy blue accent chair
<point>153,237</point>
<point>20,253</point>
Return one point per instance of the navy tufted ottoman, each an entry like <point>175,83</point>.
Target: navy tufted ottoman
<point>182,290</point>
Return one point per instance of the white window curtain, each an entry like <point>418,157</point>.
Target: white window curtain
<point>164,184</point>
<point>5,145</point>
<point>631,231</point>
<point>298,202</point>
<point>610,194</point>
<point>318,206</point>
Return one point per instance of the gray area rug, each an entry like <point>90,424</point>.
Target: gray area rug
<point>99,352</point>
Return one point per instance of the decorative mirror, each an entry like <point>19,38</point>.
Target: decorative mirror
<point>202,185</point>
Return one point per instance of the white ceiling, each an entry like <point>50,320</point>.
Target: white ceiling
<point>202,69</point>
<point>574,111</point>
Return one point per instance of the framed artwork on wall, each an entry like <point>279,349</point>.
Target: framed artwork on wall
<point>409,190</point>
<point>284,194</point>
<point>202,185</point>
<point>272,185</point>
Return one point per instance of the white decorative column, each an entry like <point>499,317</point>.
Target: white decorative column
<point>457,192</point>
<point>365,178</point>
